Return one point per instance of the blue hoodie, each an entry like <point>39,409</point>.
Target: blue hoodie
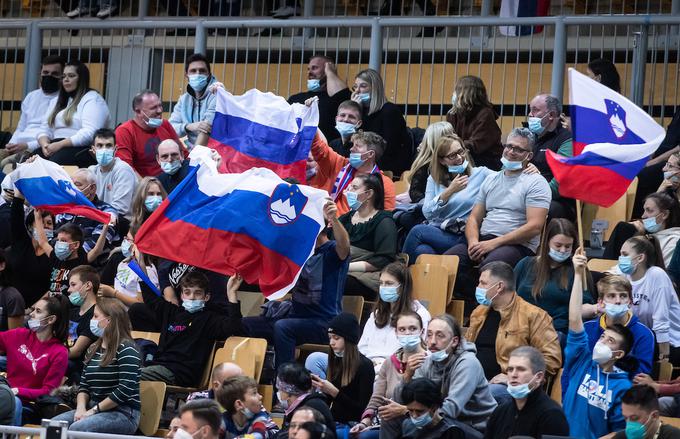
<point>593,400</point>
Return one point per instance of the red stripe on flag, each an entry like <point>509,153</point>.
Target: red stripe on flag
<point>235,162</point>
<point>74,209</point>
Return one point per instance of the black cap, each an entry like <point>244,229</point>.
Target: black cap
<point>346,326</point>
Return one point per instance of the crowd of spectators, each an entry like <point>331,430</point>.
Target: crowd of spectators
<point>69,301</point>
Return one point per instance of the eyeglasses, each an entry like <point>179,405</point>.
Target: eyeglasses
<point>454,155</point>
<point>516,149</point>
<point>669,165</point>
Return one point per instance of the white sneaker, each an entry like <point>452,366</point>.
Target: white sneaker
<point>77,12</point>
<point>106,11</point>
<point>286,11</point>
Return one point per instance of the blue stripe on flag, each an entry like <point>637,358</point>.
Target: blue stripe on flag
<point>592,126</point>
<point>45,191</point>
<point>628,170</point>
<point>261,141</point>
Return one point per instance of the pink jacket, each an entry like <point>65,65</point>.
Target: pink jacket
<point>34,367</point>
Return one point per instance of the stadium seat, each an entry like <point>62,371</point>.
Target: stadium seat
<point>621,210</point>
<point>430,286</point>
<point>675,422</point>
<point>600,265</point>
<point>267,392</point>
<point>450,262</point>
<point>665,370</point>
<point>400,186</point>
<point>247,352</point>
<point>151,336</point>
<point>405,175</point>
<point>205,378</point>
<point>250,303</point>
<point>152,395</point>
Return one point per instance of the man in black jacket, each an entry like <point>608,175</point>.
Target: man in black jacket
<point>531,412</point>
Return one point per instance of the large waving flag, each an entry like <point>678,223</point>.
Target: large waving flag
<point>613,139</point>
<point>262,130</point>
<point>47,186</point>
<point>252,223</point>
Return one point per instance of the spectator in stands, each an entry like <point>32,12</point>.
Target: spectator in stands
<point>409,331</point>
<point>303,416</point>
<point>104,8</point>
<point>596,385</point>
<point>671,177</point>
<point>173,427</point>
<point>201,416</point>
<point>83,285</point>
<point>655,301</point>
<point>72,118</point>
<point>474,120</point>
<point>313,430</point>
<point>385,119</point>
<point>66,254</point>
<point>317,297</point>
<point>423,399</point>
<point>115,180</point>
<point>531,412</point>
<point>545,280</point>
<point>25,137</point>
<point>452,187</point>
<point>148,196</point>
<point>29,262</point>
<point>188,332</point>
<point>12,304</point>
<point>544,122</point>
<point>508,216</point>
<point>661,219</point>
<point>667,392</point>
<point>6,403</point>
<point>137,139</point>
<point>194,112</point>
<point>453,365</point>
<point>37,356</point>
<point>324,83</point>
<point>219,375</point>
<point>504,321</point>
<point>372,233</point>
<point>244,415</point>
<point>641,410</point>
<point>347,122</point>
<point>294,392</point>
<point>604,71</point>
<point>108,396</point>
<point>171,160</point>
<point>673,268</point>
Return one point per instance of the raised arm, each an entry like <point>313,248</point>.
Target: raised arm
<point>341,236</point>
<point>576,300</point>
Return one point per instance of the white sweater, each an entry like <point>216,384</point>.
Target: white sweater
<point>668,240</point>
<point>32,114</point>
<point>91,114</point>
<point>656,304</point>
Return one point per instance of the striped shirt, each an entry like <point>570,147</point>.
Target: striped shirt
<point>118,381</point>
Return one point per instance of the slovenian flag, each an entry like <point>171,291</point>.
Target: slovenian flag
<point>47,186</point>
<point>262,130</point>
<point>252,223</point>
<point>613,139</point>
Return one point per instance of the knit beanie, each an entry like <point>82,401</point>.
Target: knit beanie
<point>346,326</point>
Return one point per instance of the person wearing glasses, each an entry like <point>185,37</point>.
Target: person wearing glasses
<point>509,213</point>
<point>452,187</point>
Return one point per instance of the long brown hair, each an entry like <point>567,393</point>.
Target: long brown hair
<point>58,306</point>
<point>440,173</point>
<point>117,331</point>
<point>344,369</point>
<point>649,246</point>
<point>386,313</point>
<point>139,212</point>
<point>557,226</point>
<point>62,100</point>
<point>470,94</point>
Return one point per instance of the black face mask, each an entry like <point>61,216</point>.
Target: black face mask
<point>49,84</point>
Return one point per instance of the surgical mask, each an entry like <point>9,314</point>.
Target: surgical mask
<point>512,165</point>
<point>389,294</point>
<point>635,430</point>
<point>49,234</point>
<point>104,156</point>
<point>615,311</point>
<point>480,295</point>
<point>62,250</point>
<point>602,353</point>
<point>49,84</point>
<point>171,167</point>
<point>626,265</point>
<point>282,402</point>
<point>454,98</point>
<point>353,200</point>
<point>339,354</point>
<point>36,325</point>
<point>193,306</point>
<point>521,390</point>
<point>152,202</point>
<point>535,125</point>
<point>309,173</point>
<point>153,122</point>
<point>458,169</point>
<point>409,342</point>
<point>355,160</point>
<point>365,98</point>
<point>422,421</point>
<point>248,413</point>
<point>313,85</point>
<point>346,129</point>
<point>670,175</point>
<point>558,256</point>
<point>76,299</point>
<point>95,329</point>
<point>183,434</point>
<point>439,356</point>
<point>651,225</point>
<point>126,248</point>
<point>198,82</point>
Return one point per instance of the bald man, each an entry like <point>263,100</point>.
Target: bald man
<point>220,373</point>
<point>170,158</point>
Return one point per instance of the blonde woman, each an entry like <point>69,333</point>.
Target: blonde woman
<point>148,196</point>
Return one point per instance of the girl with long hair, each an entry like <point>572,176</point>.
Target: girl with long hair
<point>148,196</point>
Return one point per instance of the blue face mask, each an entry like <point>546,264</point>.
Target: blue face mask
<point>193,306</point>
<point>76,299</point>
<point>62,250</point>
<point>439,356</point>
<point>355,160</point>
<point>126,248</point>
<point>152,202</point>
<point>313,85</point>
<point>558,256</point>
<point>535,125</point>
<point>458,169</point>
<point>409,342</point>
<point>480,295</point>
<point>670,176</point>
<point>95,329</point>
<point>454,98</point>
<point>651,225</point>
<point>616,311</point>
<point>171,167</point>
<point>49,234</point>
<point>626,265</point>
<point>104,156</point>
<point>153,122</point>
<point>198,82</point>
<point>365,98</point>
<point>635,430</point>
<point>389,294</point>
<point>346,129</point>
<point>510,165</point>
<point>422,421</point>
<point>520,391</point>
<point>353,200</point>
<point>248,413</point>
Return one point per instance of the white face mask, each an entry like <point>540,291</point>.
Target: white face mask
<point>602,353</point>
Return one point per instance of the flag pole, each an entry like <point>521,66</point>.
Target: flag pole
<point>579,223</point>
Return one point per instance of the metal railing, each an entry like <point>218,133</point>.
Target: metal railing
<point>419,73</point>
<point>8,432</point>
